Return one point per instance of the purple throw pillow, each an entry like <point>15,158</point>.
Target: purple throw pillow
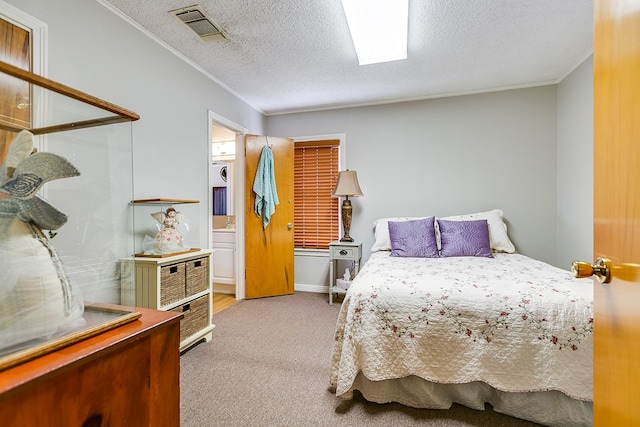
<point>415,238</point>
<point>464,238</point>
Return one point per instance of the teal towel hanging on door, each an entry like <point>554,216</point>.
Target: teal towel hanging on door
<point>264,186</point>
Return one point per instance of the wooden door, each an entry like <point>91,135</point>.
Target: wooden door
<point>269,251</point>
<point>617,211</point>
<point>15,103</point>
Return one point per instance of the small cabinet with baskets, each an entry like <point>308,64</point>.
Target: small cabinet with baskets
<point>179,283</point>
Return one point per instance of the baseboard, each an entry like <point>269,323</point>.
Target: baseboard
<point>319,289</point>
<point>220,288</point>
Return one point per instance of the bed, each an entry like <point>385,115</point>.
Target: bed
<point>454,320</point>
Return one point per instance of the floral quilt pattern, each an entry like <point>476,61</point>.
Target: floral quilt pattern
<point>516,323</point>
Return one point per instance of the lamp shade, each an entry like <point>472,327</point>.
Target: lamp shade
<point>347,185</point>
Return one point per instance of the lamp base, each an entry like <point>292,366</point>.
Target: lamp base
<point>346,220</point>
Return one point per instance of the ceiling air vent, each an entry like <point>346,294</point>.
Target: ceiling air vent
<point>200,23</point>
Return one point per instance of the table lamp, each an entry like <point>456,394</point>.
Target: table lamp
<point>347,186</point>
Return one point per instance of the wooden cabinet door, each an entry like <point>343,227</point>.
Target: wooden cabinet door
<point>15,105</point>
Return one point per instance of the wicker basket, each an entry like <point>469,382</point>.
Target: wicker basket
<point>196,316</point>
<point>172,278</point>
<point>197,275</point>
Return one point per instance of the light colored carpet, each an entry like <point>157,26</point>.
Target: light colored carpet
<point>268,365</point>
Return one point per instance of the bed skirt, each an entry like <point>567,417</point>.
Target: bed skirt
<point>551,408</point>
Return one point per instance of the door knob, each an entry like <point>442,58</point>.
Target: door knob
<point>602,269</point>
<point>289,226</point>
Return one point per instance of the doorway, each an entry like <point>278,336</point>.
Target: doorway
<point>225,227</point>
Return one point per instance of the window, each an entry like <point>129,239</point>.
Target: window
<point>316,219</point>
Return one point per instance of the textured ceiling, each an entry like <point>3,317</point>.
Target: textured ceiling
<point>297,55</point>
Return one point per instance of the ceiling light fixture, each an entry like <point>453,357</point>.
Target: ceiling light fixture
<point>378,29</point>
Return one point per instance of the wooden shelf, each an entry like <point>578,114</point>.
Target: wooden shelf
<point>120,114</point>
<point>161,200</point>
<point>98,318</point>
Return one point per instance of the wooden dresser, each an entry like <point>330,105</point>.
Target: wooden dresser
<point>127,376</point>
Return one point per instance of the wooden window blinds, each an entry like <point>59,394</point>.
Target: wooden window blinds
<point>316,222</point>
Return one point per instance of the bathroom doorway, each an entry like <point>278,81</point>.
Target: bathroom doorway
<point>224,196</point>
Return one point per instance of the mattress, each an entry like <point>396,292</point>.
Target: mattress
<point>515,324</point>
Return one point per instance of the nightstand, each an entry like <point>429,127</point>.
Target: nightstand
<point>349,251</point>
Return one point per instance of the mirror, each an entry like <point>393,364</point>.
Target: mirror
<point>221,176</point>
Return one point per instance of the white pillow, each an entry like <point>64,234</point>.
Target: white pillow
<point>498,238</point>
<point>381,232</point>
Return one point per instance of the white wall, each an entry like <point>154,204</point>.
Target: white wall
<point>513,150</point>
<point>450,156</point>
<point>471,153</point>
<point>93,50</point>
<point>575,166</point>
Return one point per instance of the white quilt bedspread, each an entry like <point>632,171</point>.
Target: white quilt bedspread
<point>513,322</point>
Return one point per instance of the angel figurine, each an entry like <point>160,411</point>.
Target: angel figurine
<point>168,238</point>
